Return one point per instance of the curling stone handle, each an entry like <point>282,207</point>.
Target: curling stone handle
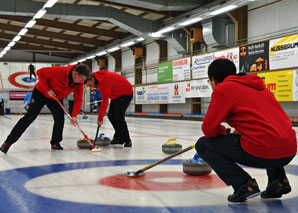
<point>170,140</point>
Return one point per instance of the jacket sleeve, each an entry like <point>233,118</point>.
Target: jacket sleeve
<point>78,99</point>
<point>43,75</point>
<point>218,110</point>
<point>105,95</point>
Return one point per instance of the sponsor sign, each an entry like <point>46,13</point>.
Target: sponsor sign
<point>164,72</point>
<point>254,57</point>
<point>283,52</point>
<point>200,65</point>
<point>181,69</point>
<point>280,84</point>
<point>197,89</point>
<point>231,54</point>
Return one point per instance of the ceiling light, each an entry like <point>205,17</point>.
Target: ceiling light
<point>127,44</point>
<point>16,38</point>
<point>3,52</point>
<point>101,53</point>
<point>73,63</point>
<point>1,56</point>
<point>7,48</point>
<point>12,43</point>
<point>222,10</point>
<point>30,24</point>
<point>191,21</point>
<point>23,31</point>
<point>81,60</point>
<point>158,33</point>
<point>50,3</point>
<point>113,49</point>
<point>90,57</point>
<point>140,39</point>
<point>40,14</point>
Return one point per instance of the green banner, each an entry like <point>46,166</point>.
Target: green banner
<point>165,72</point>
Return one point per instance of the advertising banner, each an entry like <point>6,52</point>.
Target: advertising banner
<point>283,52</point>
<point>280,84</point>
<point>158,94</point>
<point>200,65</point>
<point>197,89</point>
<point>164,72</point>
<point>254,57</point>
<point>295,85</point>
<point>141,95</point>
<point>231,54</point>
<point>181,69</point>
<point>177,92</point>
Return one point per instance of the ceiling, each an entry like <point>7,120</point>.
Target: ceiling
<point>76,27</point>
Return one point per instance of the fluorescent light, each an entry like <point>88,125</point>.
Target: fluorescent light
<point>140,39</point>
<point>30,24</point>
<point>40,14</point>
<point>222,10</point>
<point>158,33</point>
<point>191,21</point>
<point>50,3</point>
<point>113,49</point>
<point>127,44</point>
<point>23,31</point>
<point>12,43</point>
<point>90,57</point>
<point>73,63</point>
<point>7,48</point>
<point>81,60</point>
<point>1,56</point>
<point>3,52</point>
<point>16,38</point>
<point>101,53</point>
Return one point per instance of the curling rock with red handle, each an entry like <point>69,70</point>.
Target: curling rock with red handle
<point>84,144</point>
<point>196,166</point>
<point>102,141</point>
<point>171,147</point>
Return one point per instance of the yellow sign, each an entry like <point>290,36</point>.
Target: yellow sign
<point>280,84</point>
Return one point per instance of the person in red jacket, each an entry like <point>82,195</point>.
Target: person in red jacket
<point>54,82</point>
<point>263,136</point>
<point>115,87</point>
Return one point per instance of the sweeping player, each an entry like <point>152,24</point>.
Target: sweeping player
<point>263,135</point>
<point>53,82</point>
<point>119,90</point>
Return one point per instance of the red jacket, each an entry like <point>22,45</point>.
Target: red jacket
<point>56,79</point>
<point>245,104</point>
<point>111,86</point>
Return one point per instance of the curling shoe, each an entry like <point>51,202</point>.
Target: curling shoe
<point>57,146</point>
<point>277,188</point>
<point>5,147</point>
<point>128,144</point>
<point>248,190</point>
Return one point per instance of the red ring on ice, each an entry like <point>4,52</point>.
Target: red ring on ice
<point>12,80</point>
<point>147,182</point>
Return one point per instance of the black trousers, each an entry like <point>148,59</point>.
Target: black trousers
<point>32,73</point>
<point>2,107</point>
<point>70,106</point>
<point>37,102</point>
<point>116,116</point>
<point>223,153</point>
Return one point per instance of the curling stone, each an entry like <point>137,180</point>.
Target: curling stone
<point>85,116</point>
<point>102,141</point>
<point>171,147</point>
<point>196,166</point>
<point>84,144</point>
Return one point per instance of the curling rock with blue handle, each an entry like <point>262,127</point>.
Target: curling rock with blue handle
<point>102,141</point>
<point>171,147</point>
<point>196,166</point>
<point>84,144</point>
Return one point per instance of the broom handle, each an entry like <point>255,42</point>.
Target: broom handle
<point>165,159</point>
<point>96,134</point>
<point>76,123</point>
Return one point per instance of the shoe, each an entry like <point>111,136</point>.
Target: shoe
<point>57,146</point>
<point>116,141</point>
<point>128,144</point>
<point>5,147</point>
<point>277,188</point>
<point>248,190</point>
